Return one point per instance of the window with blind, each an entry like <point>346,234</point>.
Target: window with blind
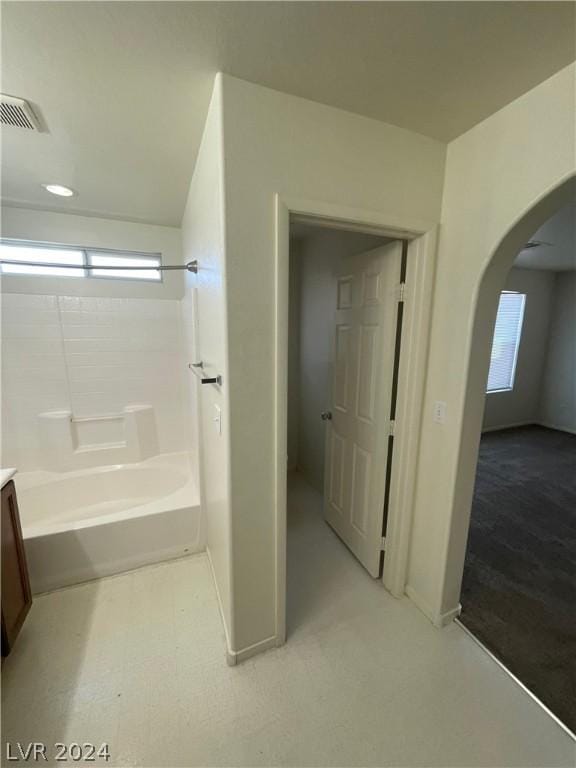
<point>506,342</point>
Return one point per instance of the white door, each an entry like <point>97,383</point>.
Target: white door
<point>358,424</point>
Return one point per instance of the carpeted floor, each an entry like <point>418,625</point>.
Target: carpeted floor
<point>519,590</point>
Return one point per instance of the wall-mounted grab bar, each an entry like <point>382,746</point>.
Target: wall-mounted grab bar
<point>198,370</point>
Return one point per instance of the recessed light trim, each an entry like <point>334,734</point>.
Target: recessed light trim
<point>59,189</point>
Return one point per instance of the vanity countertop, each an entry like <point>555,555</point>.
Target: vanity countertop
<point>6,475</point>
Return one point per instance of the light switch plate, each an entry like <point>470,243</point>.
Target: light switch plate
<point>440,411</point>
<point>218,419</point>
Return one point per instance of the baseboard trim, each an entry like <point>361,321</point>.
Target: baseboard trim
<point>502,427</point>
<point>439,620</point>
<point>235,657</point>
<point>517,681</point>
<point>229,652</point>
<point>556,427</point>
<point>419,603</point>
<point>545,424</point>
<point>449,616</point>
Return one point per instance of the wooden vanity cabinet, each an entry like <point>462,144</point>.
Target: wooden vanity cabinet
<point>16,593</point>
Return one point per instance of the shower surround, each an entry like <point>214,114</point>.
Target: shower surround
<point>97,417</point>
<point>92,357</point>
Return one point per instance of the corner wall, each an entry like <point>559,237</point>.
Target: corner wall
<point>280,144</point>
<point>203,238</point>
<point>558,399</point>
<point>275,144</point>
<point>496,174</point>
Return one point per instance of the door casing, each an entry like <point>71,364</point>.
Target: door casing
<point>421,264</point>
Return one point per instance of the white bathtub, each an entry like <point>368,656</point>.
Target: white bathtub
<point>90,523</point>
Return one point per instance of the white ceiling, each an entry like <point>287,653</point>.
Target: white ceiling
<point>558,249</point>
<point>123,87</point>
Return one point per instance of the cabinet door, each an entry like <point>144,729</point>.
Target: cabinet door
<point>16,594</point>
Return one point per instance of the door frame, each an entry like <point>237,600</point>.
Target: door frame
<point>421,268</point>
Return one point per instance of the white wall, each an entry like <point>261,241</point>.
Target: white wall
<point>69,229</point>
<point>317,267</point>
<point>203,237</point>
<point>275,143</point>
<point>495,174</point>
<point>558,397</point>
<point>521,404</point>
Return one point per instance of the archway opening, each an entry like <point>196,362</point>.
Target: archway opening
<point>519,585</point>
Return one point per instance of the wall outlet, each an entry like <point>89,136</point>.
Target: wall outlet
<point>440,411</point>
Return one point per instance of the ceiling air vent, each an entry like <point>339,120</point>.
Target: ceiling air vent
<point>18,113</point>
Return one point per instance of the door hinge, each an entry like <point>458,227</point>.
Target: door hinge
<point>383,544</point>
<point>402,292</point>
<point>391,426</point>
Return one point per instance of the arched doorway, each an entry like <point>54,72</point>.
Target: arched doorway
<point>519,586</point>
<point>486,305</point>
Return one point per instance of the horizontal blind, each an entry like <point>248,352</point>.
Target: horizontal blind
<point>506,341</point>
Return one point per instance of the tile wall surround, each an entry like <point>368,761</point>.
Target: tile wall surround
<point>92,356</point>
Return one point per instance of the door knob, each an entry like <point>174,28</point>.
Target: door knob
<point>326,416</point>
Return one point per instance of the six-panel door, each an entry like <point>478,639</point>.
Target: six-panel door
<point>366,301</point>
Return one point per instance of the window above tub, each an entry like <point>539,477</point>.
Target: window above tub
<point>23,257</point>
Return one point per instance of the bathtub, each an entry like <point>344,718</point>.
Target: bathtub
<point>86,524</point>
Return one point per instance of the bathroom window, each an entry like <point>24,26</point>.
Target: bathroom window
<point>32,260</point>
<point>102,260</point>
<point>19,257</point>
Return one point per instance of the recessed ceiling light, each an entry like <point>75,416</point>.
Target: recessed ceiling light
<point>58,189</point>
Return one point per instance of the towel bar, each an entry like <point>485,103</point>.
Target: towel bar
<point>198,370</point>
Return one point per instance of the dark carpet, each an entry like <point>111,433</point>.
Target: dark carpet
<point>519,590</point>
